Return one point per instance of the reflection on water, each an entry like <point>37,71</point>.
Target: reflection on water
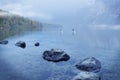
<point>27,64</point>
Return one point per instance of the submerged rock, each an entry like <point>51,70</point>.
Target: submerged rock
<point>37,44</point>
<point>87,76</point>
<point>89,64</point>
<point>21,44</point>
<point>4,42</point>
<point>55,55</point>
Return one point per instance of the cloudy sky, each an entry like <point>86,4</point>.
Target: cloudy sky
<point>61,11</point>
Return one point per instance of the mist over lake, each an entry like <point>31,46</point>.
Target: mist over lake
<point>81,29</point>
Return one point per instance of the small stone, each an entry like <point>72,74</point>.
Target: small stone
<point>4,42</point>
<point>89,64</point>
<point>37,44</point>
<point>83,75</point>
<point>21,44</point>
<point>55,55</point>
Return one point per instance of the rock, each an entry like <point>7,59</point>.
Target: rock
<point>4,42</point>
<point>21,44</point>
<point>55,55</point>
<point>37,44</point>
<point>89,64</point>
<point>87,76</point>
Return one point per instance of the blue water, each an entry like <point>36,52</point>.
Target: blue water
<point>27,64</point>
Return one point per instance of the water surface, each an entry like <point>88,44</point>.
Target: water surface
<point>27,64</point>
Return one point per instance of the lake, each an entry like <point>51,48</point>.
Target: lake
<point>27,64</point>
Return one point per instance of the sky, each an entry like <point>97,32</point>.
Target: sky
<point>63,11</point>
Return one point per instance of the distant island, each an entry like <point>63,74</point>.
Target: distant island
<point>12,24</point>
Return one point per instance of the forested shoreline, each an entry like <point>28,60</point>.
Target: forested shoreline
<point>11,24</point>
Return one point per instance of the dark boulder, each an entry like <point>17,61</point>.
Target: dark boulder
<point>87,76</point>
<point>4,42</point>
<point>55,55</point>
<point>21,44</point>
<point>89,64</point>
<point>37,44</point>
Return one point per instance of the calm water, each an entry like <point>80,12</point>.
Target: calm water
<point>28,64</point>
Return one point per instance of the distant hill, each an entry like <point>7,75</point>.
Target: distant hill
<point>11,24</point>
